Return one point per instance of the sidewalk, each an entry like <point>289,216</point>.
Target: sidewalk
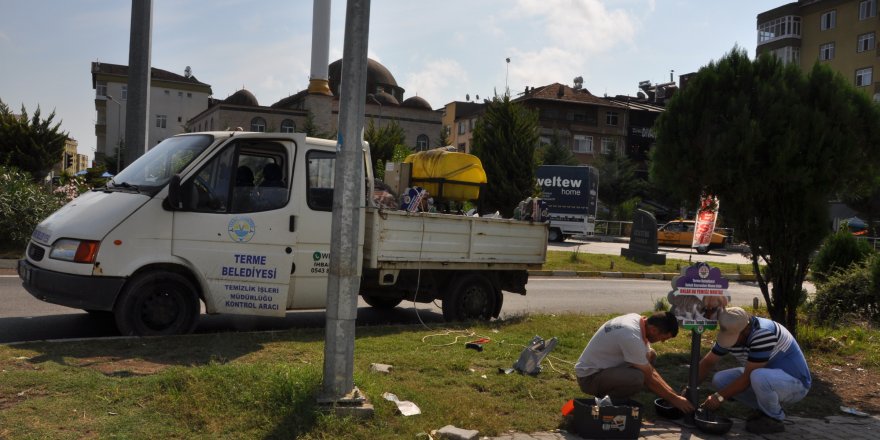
<point>797,428</point>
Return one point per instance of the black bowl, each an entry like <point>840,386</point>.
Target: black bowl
<point>664,409</point>
<point>710,423</point>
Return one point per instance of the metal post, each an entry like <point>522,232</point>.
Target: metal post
<point>693,394</point>
<point>344,280</point>
<point>318,80</point>
<point>139,44</point>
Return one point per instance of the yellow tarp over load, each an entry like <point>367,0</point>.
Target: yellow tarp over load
<point>447,174</point>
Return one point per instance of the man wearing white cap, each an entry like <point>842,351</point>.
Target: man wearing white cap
<point>774,370</point>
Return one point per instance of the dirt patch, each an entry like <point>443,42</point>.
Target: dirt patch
<point>121,367</point>
<point>856,387</point>
<point>10,400</point>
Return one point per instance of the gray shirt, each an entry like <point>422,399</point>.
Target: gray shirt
<point>618,342</point>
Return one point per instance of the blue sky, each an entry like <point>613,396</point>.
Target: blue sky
<point>439,50</point>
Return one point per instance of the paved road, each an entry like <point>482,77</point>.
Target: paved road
<point>24,318</point>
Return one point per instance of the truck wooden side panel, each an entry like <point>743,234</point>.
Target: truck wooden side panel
<point>403,240</point>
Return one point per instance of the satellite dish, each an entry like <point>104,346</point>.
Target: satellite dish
<point>187,72</point>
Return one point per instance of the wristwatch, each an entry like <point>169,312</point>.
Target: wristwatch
<point>719,397</point>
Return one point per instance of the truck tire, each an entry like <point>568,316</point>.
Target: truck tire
<point>555,235</point>
<point>157,303</point>
<point>703,250</point>
<point>381,302</point>
<point>471,297</point>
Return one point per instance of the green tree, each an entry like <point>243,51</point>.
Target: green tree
<point>443,140</point>
<point>505,140</point>
<point>383,139</point>
<point>774,145</point>
<point>311,129</point>
<point>555,153</point>
<point>618,182</point>
<point>30,144</point>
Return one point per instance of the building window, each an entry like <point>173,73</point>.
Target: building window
<point>101,88</point>
<point>866,42</point>
<point>168,93</point>
<point>609,145</point>
<point>788,54</point>
<point>161,121</point>
<point>867,9</point>
<point>549,113</point>
<point>461,127</point>
<point>611,118</point>
<point>583,144</point>
<point>124,92</point>
<point>826,52</point>
<point>788,26</point>
<point>544,140</point>
<point>422,142</point>
<point>287,126</point>
<point>864,77</point>
<point>462,147</point>
<point>189,95</point>
<point>258,124</point>
<point>828,20</point>
<point>179,94</point>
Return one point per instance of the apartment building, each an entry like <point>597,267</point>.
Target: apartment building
<point>174,99</point>
<point>589,124</point>
<point>459,120</point>
<point>841,33</point>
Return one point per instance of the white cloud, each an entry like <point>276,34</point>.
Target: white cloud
<point>436,82</point>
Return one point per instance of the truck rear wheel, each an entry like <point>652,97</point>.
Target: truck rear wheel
<point>471,297</point>
<point>157,303</point>
<point>555,235</point>
<point>381,302</point>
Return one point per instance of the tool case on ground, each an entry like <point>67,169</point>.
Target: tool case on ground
<point>623,419</point>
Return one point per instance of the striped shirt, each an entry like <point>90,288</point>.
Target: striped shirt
<point>770,342</point>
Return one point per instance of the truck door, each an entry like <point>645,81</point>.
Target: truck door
<point>235,226</point>
<point>312,254</point>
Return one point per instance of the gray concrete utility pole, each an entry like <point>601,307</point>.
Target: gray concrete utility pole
<point>344,280</point>
<point>137,115</point>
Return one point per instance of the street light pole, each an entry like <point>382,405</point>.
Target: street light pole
<point>118,133</point>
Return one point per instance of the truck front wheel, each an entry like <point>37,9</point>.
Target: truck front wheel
<point>555,235</point>
<point>381,302</point>
<point>471,297</point>
<point>157,303</point>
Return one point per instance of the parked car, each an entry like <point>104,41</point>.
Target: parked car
<point>681,233</point>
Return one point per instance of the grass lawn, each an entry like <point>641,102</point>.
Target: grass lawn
<point>580,261</point>
<point>264,385</point>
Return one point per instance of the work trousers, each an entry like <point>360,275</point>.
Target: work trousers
<point>619,382</point>
<point>770,388</point>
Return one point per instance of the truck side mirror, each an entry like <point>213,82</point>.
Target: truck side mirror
<point>172,202</point>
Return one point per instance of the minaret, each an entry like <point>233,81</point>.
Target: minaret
<point>319,83</point>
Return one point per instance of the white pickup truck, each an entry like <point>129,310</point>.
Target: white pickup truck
<point>241,222</point>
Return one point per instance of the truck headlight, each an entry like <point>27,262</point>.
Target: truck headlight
<point>77,251</point>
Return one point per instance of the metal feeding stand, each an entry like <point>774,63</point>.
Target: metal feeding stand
<point>697,295</point>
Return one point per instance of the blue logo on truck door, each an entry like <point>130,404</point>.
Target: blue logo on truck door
<point>241,229</point>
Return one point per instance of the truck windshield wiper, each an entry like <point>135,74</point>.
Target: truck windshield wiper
<point>125,185</point>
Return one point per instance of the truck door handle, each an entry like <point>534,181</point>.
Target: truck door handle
<point>292,224</point>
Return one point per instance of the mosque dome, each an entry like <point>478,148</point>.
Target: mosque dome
<point>242,97</point>
<point>417,102</point>
<point>379,79</point>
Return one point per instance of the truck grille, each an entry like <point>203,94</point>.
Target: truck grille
<point>35,252</point>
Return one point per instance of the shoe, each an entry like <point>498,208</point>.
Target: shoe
<point>755,414</point>
<point>764,425</point>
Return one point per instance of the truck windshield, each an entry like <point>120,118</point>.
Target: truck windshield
<point>154,169</point>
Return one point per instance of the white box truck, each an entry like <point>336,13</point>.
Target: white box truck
<point>240,222</point>
<point>572,196</point>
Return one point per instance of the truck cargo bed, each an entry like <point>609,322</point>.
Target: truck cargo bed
<point>404,240</point>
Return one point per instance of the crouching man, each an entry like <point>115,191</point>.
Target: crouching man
<point>618,360</point>
<point>774,371</point>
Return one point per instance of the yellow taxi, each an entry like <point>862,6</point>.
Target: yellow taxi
<point>681,233</point>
